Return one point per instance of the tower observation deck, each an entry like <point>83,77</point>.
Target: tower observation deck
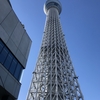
<point>54,77</point>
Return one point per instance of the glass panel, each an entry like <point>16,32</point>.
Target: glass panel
<point>3,55</point>
<point>13,66</point>
<point>18,71</point>
<point>1,45</point>
<point>55,4</point>
<point>8,60</point>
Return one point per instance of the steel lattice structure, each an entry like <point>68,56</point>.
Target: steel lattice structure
<point>54,77</point>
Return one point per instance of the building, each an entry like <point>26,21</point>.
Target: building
<point>54,77</point>
<point>14,50</point>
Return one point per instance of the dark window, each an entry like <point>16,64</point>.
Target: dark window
<point>18,71</point>
<point>13,66</point>
<point>3,55</point>
<point>8,60</point>
<point>1,46</point>
<point>55,4</point>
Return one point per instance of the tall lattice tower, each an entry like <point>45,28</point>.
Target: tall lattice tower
<point>54,77</point>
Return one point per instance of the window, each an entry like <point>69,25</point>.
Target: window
<point>1,46</point>
<point>56,4</point>
<point>3,55</point>
<point>8,60</point>
<point>18,71</point>
<point>13,66</point>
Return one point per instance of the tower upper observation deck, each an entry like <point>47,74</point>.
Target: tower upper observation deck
<point>52,3</point>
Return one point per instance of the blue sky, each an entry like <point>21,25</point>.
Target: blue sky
<point>80,21</point>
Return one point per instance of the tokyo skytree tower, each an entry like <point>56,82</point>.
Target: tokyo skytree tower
<point>54,77</point>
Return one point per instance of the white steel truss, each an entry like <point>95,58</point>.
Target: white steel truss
<point>54,77</point>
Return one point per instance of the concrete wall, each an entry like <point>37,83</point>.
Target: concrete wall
<point>8,82</point>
